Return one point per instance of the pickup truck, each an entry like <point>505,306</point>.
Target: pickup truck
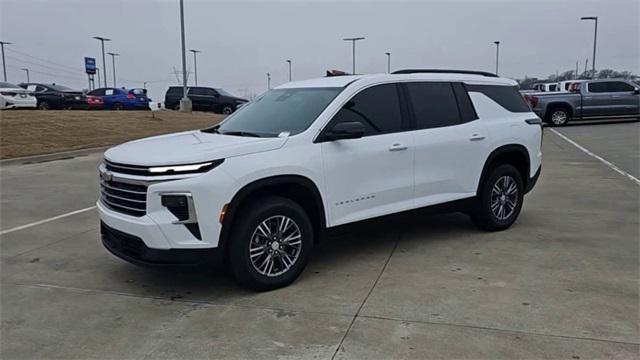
<point>588,100</point>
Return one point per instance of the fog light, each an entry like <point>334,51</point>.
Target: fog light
<point>181,206</point>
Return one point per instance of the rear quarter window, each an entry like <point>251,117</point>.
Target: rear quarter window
<point>507,96</point>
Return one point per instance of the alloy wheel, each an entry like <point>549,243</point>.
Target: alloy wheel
<point>559,117</point>
<point>275,245</point>
<point>504,197</point>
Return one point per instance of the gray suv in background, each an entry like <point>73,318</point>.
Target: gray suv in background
<point>588,100</point>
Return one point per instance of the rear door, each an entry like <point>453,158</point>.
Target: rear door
<point>198,98</point>
<point>373,175</point>
<point>623,98</point>
<point>450,142</point>
<point>597,100</point>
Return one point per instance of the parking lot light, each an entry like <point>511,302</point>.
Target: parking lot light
<point>4,66</point>
<point>27,71</point>
<point>113,60</point>
<point>595,38</point>
<point>104,66</point>
<point>185,102</point>
<point>497,54</point>
<point>353,48</point>
<point>195,65</point>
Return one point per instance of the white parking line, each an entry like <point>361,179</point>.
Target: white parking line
<point>588,152</point>
<point>22,227</point>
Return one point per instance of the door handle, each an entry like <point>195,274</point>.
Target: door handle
<point>398,147</point>
<point>476,137</point>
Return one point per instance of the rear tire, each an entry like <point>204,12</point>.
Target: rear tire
<point>500,199</point>
<point>557,117</point>
<point>271,242</point>
<point>43,105</point>
<point>117,106</point>
<point>227,110</point>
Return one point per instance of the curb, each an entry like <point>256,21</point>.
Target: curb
<point>25,160</point>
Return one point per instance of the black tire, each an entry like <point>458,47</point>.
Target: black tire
<point>227,109</point>
<point>117,106</point>
<point>482,215</point>
<point>245,232</point>
<point>43,105</point>
<point>176,107</point>
<point>558,116</point>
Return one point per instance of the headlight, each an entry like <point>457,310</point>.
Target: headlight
<point>172,169</point>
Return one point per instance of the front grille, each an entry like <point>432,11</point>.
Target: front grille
<point>123,197</point>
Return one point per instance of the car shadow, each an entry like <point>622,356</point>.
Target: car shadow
<point>368,242</point>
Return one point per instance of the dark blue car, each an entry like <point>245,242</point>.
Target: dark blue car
<point>122,99</point>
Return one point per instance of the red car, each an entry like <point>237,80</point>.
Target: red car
<point>94,102</point>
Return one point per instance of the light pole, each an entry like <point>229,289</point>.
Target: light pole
<point>27,71</point>
<point>104,66</point>
<point>388,62</point>
<point>4,65</point>
<point>195,64</point>
<point>98,72</point>
<point>185,102</point>
<point>113,61</point>
<point>497,54</point>
<point>595,38</point>
<point>353,45</point>
<point>268,81</point>
<point>289,62</point>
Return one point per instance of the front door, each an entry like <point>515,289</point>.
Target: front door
<point>373,175</point>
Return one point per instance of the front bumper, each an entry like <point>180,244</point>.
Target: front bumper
<point>132,249</point>
<point>533,180</point>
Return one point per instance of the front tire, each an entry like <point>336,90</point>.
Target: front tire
<point>270,243</point>
<point>117,106</point>
<point>500,199</point>
<point>558,117</point>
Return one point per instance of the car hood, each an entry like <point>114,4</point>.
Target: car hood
<point>189,147</point>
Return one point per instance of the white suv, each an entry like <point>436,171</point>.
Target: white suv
<point>258,190</point>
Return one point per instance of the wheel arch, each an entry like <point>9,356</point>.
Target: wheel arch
<point>559,104</point>
<point>298,188</point>
<point>514,154</point>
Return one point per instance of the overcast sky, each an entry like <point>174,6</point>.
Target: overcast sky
<point>241,41</point>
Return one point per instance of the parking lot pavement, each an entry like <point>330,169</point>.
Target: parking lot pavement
<point>616,142</point>
<point>562,283</point>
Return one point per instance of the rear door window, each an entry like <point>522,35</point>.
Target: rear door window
<point>434,104</point>
<point>507,96</point>
<point>377,108</point>
<point>109,92</point>
<point>619,86</point>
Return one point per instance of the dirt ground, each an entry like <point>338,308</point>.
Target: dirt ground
<point>32,132</point>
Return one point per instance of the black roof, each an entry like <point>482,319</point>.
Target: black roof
<point>444,71</point>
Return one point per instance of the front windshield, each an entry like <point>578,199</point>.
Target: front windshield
<point>280,110</point>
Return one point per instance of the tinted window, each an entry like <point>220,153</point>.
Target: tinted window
<point>619,86</point>
<point>467,111</point>
<point>280,110</point>
<point>598,87</point>
<point>434,104</point>
<point>210,92</point>
<point>197,91</point>
<point>59,87</point>
<point>97,92</point>
<point>175,91</point>
<point>507,96</point>
<point>377,108</point>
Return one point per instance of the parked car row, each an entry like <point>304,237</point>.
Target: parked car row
<point>54,96</point>
<point>587,100</point>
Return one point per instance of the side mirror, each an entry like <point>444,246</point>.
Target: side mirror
<point>346,130</point>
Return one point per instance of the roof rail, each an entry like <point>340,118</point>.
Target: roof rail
<point>444,71</point>
<point>331,73</point>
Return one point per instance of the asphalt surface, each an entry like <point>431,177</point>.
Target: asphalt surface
<point>561,283</point>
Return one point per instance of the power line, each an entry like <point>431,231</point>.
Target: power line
<point>41,59</point>
<point>42,65</point>
<point>50,74</point>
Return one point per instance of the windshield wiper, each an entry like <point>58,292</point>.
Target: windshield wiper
<point>241,133</point>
